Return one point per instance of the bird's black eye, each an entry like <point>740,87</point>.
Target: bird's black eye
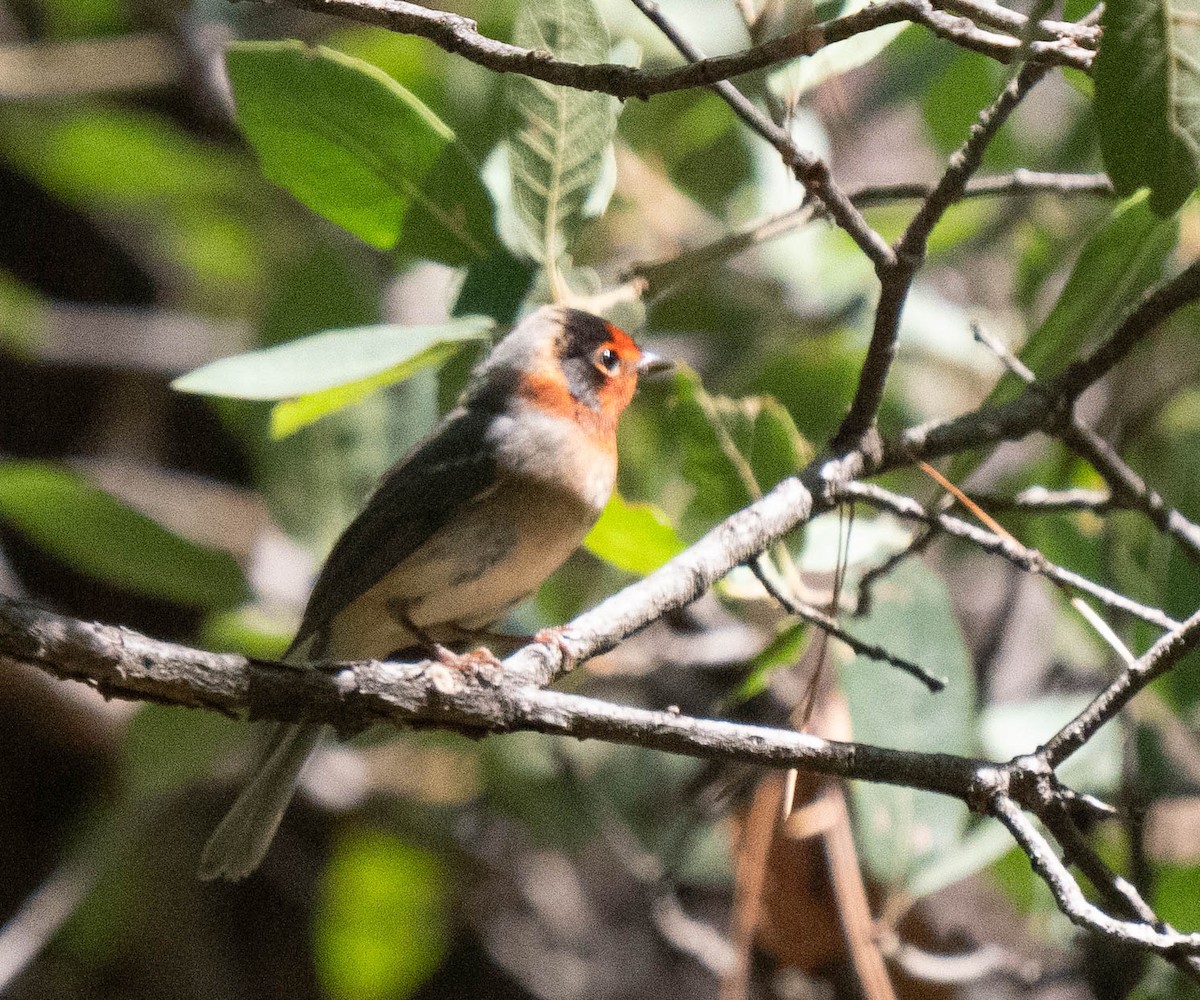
<point>608,360</point>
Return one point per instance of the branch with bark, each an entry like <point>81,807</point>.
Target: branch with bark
<point>1054,43</point>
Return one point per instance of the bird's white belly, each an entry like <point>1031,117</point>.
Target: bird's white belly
<point>469,573</point>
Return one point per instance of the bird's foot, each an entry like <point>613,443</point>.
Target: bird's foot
<point>556,636</point>
<point>480,662</point>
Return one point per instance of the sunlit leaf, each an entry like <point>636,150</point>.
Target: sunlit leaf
<point>95,534</point>
<point>905,833</point>
<point>381,923</point>
<point>337,359</point>
<point>635,537</point>
<point>1148,98</point>
<point>290,415</point>
<point>556,152</point>
<point>361,150</point>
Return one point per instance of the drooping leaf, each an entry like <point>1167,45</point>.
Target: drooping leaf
<point>1119,262</point>
<point>320,374</point>
<point>95,534</point>
<point>734,450</point>
<point>1148,98</point>
<point>361,150</point>
<point>905,833</point>
<point>381,924</point>
<point>635,537</point>
<point>557,146</point>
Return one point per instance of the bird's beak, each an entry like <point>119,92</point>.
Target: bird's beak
<point>653,364</point>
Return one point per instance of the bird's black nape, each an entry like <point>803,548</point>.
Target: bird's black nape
<point>582,333</point>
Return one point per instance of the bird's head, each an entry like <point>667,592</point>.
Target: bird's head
<point>570,363</point>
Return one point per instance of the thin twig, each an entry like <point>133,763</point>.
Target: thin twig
<point>1160,658</point>
<point>827,624</point>
<point>909,255</point>
<point>1027,559</point>
<point>1043,405</point>
<point>810,170</point>
<point>1041,500</point>
<point>1069,895</point>
<point>1005,19</point>
<point>1128,488</point>
<point>660,275</point>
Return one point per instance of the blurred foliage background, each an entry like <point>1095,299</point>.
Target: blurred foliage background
<point>141,237</point>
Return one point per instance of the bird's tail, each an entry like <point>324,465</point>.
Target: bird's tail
<point>241,839</point>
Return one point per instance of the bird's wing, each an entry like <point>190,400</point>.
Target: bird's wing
<point>419,495</point>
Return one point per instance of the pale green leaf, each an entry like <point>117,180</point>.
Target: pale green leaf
<point>290,415</point>
<point>325,360</point>
<point>798,77</point>
<point>904,832</point>
<point>557,145</point>
<point>634,537</point>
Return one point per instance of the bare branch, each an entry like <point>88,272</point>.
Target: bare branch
<point>810,170</point>
<point>909,255</point>
<point>1160,658</point>
<point>460,35</point>
<point>121,663</point>
<point>1027,559</point>
<point>661,275</point>
<point>1040,500</point>
<point>1005,19</point>
<point>1069,895</point>
<point>1128,488</point>
<point>1044,404</point>
<point>827,624</point>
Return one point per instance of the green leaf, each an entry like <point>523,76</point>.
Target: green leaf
<point>1120,261</point>
<point>290,415</point>
<point>798,77</point>
<point>557,145</point>
<point>734,450</point>
<point>634,537</point>
<point>381,923</point>
<point>356,147</point>
<point>320,374</point>
<point>905,833</point>
<point>1148,98</point>
<point>95,534</point>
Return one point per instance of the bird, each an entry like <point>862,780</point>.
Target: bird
<point>459,531</point>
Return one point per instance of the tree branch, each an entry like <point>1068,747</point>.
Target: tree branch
<point>909,255</point>
<point>810,170</point>
<point>121,663</point>
<point>662,274</point>
<point>351,697</point>
<point>1027,559</point>
<point>1044,405</point>
<point>1058,44</point>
